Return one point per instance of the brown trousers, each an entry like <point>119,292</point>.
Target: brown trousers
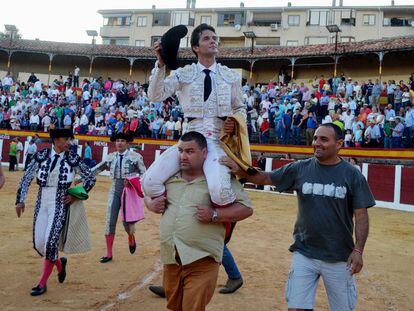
<point>190,287</point>
<point>309,136</point>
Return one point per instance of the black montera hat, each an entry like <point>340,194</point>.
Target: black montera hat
<point>57,133</point>
<point>170,43</point>
<point>125,136</point>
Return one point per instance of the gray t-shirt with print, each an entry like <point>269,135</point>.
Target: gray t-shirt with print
<point>327,197</point>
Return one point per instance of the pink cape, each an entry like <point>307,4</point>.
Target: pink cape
<point>132,205</point>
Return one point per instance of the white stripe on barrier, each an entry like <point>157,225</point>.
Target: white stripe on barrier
<point>365,170</point>
<point>1,148</point>
<point>397,184</point>
<point>26,146</point>
<point>268,168</point>
<point>104,155</point>
<point>79,150</point>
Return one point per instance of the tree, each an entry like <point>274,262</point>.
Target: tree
<point>6,35</point>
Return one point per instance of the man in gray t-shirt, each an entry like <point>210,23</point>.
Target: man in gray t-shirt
<point>331,194</point>
<point>327,198</point>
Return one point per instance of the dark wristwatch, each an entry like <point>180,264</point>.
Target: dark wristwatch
<point>214,217</point>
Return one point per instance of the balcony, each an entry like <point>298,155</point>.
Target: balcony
<point>114,31</point>
<point>398,21</point>
<point>261,19</point>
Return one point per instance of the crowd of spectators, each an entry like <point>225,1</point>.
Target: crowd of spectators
<point>371,114</point>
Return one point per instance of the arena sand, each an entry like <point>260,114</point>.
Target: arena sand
<point>259,246</point>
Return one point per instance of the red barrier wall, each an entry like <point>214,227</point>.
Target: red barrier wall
<point>407,185</point>
<point>278,163</point>
<point>380,177</point>
<point>381,181</point>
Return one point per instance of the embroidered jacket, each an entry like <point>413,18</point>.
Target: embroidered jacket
<point>40,165</point>
<point>188,84</point>
<point>132,165</point>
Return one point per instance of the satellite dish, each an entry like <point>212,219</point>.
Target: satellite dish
<point>237,27</point>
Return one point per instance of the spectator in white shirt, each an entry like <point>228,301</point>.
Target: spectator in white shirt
<point>389,112</point>
<point>177,128</point>
<point>34,122</point>
<point>46,121</point>
<point>372,135</point>
<point>170,126</point>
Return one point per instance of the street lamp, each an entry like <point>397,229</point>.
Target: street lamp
<point>12,29</point>
<point>250,35</point>
<point>334,29</point>
<point>93,34</point>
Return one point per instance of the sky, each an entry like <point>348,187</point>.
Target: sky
<point>67,21</point>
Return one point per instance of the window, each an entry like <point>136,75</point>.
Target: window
<point>368,20</point>
<point>293,20</point>
<point>140,43</point>
<point>316,40</point>
<point>141,21</point>
<point>206,20</point>
<point>318,18</point>
<point>268,41</point>
<point>115,41</point>
<point>348,17</point>
<point>155,39</point>
<point>292,43</point>
<point>117,21</point>
<point>124,21</point>
<point>230,19</point>
<point>398,21</point>
<point>183,18</point>
<point>347,39</point>
<point>161,19</point>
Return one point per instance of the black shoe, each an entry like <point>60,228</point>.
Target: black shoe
<point>36,287</point>
<point>231,286</point>
<point>62,274</point>
<point>38,291</point>
<point>132,248</point>
<point>105,259</point>
<point>157,290</point>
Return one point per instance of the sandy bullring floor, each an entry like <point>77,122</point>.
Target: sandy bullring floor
<point>259,246</point>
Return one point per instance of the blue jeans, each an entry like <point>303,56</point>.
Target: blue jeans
<point>387,142</point>
<point>286,135</point>
<point>395,142</point>
<point>408,133</point>
<point>296,135</point>
<point>83,129</point>
<point>154,134</point>
<point>264,138</point>
<point>230,265</point>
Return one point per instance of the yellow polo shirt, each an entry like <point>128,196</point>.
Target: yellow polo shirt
<point>179,227</point>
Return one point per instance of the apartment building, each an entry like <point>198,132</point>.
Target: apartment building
<point>272,26</point>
